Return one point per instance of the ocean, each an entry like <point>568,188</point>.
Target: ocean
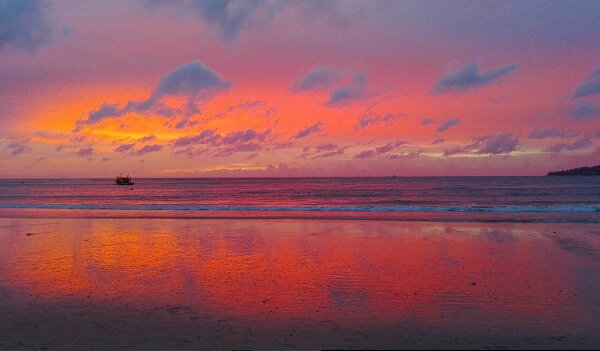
<point>496,199</point>
<point>300,263</point>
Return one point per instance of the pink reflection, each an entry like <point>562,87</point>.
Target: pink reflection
<point>344,271</point>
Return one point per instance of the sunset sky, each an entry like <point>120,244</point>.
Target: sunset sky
<point>298,88</point>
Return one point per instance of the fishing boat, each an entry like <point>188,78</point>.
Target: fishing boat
<point>120,180</point>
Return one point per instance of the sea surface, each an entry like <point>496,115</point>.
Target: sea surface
<point>514,199</point>
<point>300,263</point>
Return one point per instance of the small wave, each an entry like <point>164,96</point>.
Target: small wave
<point>165,207</point>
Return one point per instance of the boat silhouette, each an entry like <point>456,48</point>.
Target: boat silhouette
<point>120,180</point>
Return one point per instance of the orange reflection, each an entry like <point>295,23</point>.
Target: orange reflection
<point>354,271</point>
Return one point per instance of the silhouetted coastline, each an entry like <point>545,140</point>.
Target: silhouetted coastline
<point>577,171</point>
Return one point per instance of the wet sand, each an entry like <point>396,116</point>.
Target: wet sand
<point>304,284</point>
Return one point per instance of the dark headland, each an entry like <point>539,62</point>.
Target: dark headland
<point>577,171</point>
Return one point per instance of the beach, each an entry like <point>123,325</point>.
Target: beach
<point>152,283</point>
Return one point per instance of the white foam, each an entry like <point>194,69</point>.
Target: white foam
<point>164,207</point>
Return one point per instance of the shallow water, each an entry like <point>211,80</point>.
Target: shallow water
<point>524,199</point>
<point>325,283</point>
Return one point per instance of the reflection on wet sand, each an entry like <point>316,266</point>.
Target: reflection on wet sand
<point>542,279</point>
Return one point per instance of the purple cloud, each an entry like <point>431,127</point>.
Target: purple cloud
<point>584,110</point>
<point>319,77</point>
<point>18,147</point>
<point>207,136</point>
<point>315,128</point>
<point>85,151</point>
<point>148,149</point>
<point>24,24</point>
<point>124,148</point>
<point>340,151</point>
<point>454,151</point>
<point>379,150</point>
<point>240,141</point>
<point>544,133</point>
<point>496,144</point>
<point>245,136</point>
<point>579,144</point>
<point>470,77</point>
<point>324,147</point>
<point>589,87</point>
<point>356,90</point>
<point>185,123</point>
<point>448,124</point>
<point>193,80</point>
<point>364,154</point>
<point>365,121</point>
<point>146,139</point>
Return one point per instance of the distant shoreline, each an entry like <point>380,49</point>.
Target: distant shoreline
<point>581,171</point>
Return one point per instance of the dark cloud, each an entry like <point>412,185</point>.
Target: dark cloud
<point>18,147</point>
<point>315,128</point>
<point>427,121</point>
<point>557,147</point>
<point>448,124</point>
<point>319,77</point>
<point>104,111</point>
<point>124,148</point>
<point>44,134</point>
<point>583,110</point>
<point>247,105</point>
<point>146,139</point>
<point>190,151</point>
<point>185,123</point>
<point>208,136</point>
<point>85,151</point>
<point>366,121</point>
<point>578,144</point>
<point>356,90</point>
<point>589,87</point>
<point>324,147</point>
<point>148,149</point>
<point>453,151</point>
<point>324,151</point>
<point>194,81</point>
<point>379,150</point>
<point>240,141</point>
<point>256,107</point>
<point>412,154</point>
<point>244,147</point>
<point>229,16</point>
<point>437,141</point>
<point>340,151</point>
<point>365,154</point>
<point>470,77</point>
<point>544,133</point>
<point>496,144</point>
<point>488,144</point>
<point>552,133</point>
<point>245,136</point>
<point>24,24</point>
